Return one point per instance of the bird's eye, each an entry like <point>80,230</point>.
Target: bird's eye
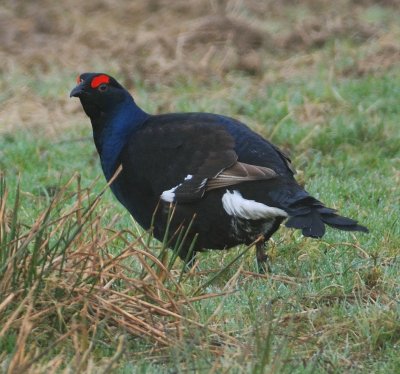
<point>103,87</point>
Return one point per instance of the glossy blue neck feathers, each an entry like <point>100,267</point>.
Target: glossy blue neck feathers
<point>111,131</point>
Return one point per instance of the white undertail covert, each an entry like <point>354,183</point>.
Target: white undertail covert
<point>235,205</point>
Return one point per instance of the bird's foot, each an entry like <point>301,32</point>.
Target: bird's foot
<point>264,266</point>
<point>263,263</point>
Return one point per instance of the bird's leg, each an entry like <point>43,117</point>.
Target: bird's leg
<point>263,264</point>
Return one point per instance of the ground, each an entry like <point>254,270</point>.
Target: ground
<point>84,289</point>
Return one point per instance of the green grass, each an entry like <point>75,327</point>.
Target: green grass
<point>332,304</point>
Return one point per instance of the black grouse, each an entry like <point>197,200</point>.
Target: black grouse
<point>227,185</point>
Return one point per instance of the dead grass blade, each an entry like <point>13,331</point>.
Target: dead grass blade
<point>60,274</point>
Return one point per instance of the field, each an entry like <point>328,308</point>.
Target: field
<point>84,290</point>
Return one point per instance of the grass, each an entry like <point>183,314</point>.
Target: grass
<point>330,305</point>
<point>84,289</point>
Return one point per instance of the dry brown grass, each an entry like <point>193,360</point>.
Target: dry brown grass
<point>60,283</point>
<point>160,41</point>
<point>86,295</point>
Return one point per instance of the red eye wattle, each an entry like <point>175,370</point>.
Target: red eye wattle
<point>100,79</point>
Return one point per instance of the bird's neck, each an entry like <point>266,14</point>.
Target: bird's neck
<point>111,132</point>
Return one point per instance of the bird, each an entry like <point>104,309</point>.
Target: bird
<point>200,181</point>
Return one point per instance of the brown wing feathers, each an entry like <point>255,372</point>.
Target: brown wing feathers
<point>238,173</point>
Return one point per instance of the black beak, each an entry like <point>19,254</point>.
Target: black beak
<point>78,90</point>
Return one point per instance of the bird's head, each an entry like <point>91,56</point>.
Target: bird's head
<point>99,93</point>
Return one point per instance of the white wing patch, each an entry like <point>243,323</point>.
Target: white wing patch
<point>169,195</point>
<point>235,205</point>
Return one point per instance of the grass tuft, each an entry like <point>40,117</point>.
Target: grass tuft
<point>60,284</point>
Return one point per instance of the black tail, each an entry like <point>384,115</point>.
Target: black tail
<point>310,215</point>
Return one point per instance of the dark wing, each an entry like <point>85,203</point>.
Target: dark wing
<point>285,157</point>
<point>253,149</point>
<point>180,157</point>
